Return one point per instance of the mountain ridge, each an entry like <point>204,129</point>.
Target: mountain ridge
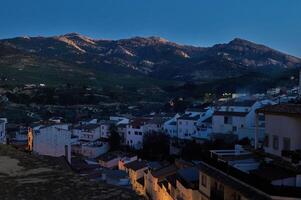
<point>153,57</point>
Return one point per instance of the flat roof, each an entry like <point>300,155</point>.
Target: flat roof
<point>165,171</point>
<point>282,109</point>
<point>272,172</point>
<point>136,165</point>
<point>228,113</point>
<point>246,103</point>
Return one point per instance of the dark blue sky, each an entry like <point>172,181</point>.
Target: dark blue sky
<point>276,23</point>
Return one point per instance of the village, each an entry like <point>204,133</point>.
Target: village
<point>236,148</point>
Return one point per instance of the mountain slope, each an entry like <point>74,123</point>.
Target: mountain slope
<point>152,57</point>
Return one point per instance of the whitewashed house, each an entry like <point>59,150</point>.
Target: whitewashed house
<point>135,132</point>
<point>170,126</point>
<point>238,118</point>
<point>204,128</point>
<point>87,131</point>
<point>105,126</point>
<point>187,126</point>
<point>3,122</point>
<point>155,125</point>
<point>91,149</point>
<point>282,130</point>
<point>50,139</point>
<point>188,123</point>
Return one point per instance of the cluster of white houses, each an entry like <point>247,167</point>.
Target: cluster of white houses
<point>273,173</point>
<point>90,137</point>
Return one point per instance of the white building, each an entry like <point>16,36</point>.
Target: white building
<point>87,131</point>
<point>205,128</point>
<point>170,126</point>
<point>282,129</point>
<point>135,132</point>
<point>52,140</point>
<point>154,125</point>
<point>238,118</point>
<point>188,123</point>
<point>105,127</point>
<point>3,122</point>
<point>91,149</point>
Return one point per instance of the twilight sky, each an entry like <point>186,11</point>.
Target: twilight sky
<point>276,23</point>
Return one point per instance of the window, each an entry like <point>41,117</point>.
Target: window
<point>241,126</point>
<point>266,140</point>
<point>204,180</point>
<point>275,142</point>
<point>136,133</point>
<point>129,132</point>
<point>227,120</point>
<point>286,144</point>
<point>140,133</point>
<point>234,128</point>
<point>180,123</point>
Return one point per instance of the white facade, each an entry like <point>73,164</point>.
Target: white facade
<point>134,136</point>
<point>93,149</point>
<point>151,128</point>
<point>52,140</point>
<point>88,132</point>
<point>3,122</point>
<point>105,129</point>
<point>188,124</point>
<point>187,127</point>
<point>228,122</point>
<point>170,127</point>
<point>238,118</point>
<point>282,133</point>
<point>135,132</point>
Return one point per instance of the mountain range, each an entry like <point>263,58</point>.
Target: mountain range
<point>79,59</point>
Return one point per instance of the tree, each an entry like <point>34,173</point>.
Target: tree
<point>155,146</point>
<point>114,138</point>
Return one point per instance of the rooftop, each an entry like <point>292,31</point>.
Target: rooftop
<point>189,117</point>
<point>226,113</point>
<point>273,172</point>
<point>139,121</point>
<point>136,165</point>
<point>246,103</point>
<point>189,177</point>
<point>200,110</point>
<point>165,171</point>
<point>282,109</point>
<point>87,126</point>
<point>251,183</point>
<point>31,177</point>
